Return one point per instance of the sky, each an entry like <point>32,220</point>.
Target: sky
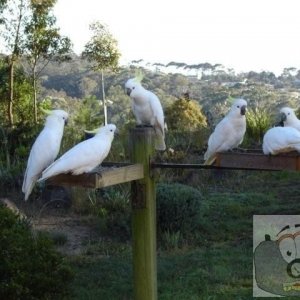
<point>258,35</point>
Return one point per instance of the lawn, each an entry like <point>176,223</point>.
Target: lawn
<point>212,262</point>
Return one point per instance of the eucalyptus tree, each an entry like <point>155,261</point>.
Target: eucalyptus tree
<point>2,7</point>
<point>102,51</point>
<point>43,42</point>
<point>13,17</point>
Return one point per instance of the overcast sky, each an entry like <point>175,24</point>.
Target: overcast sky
<point>241,34</point>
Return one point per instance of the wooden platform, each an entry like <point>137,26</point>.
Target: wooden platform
<point>120,173</point>
<point>258,161</point>
<point>100,178</point>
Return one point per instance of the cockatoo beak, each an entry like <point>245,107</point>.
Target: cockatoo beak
<point>66,122</point>
<point>243,110</point>
<point>117,132</point>
<point>128,91</point>
<point>46,111</point>
<point>282,117</point>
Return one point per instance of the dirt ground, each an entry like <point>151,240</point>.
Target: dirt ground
<point>76,230</point>
<point>70,226</point>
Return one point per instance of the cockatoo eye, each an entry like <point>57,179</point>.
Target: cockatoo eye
<point>111,130</point>
<point>133,87</point>
<point>238,106</point>
<point>288,113</point>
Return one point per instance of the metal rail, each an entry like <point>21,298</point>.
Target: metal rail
<point>245,160</point>
<point>155,165</point>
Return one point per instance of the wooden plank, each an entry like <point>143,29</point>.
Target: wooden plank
<point>144,217</point>
<point>100,178</point>
<point>120,175</point>
<point>259,161</point>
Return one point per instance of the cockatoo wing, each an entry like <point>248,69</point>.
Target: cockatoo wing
<point>80,159</point>
<point>42,154</point>
<point>223,138</point>
<point>296,124</point>
<point>157,122</point>
<point>281,139</point>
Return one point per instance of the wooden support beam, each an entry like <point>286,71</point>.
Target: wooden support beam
<point>144,217</point>
<point>101,178</point>
<point>259,161</point>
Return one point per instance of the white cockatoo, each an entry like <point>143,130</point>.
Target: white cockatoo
<point>289,118</point>
<point>85,156</point>
<point>229,133</point>
<point>147,110</point>
<point>281,139</point>
<point>45,148</point>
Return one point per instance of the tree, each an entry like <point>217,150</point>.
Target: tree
<point>185,114</point>
<point>13,17</point>
<point>102,50</point>
<point>2,7</point>
<point>22,93</point>
<point>43,42</point>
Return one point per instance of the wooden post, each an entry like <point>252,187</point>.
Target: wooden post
<point>144,217</point>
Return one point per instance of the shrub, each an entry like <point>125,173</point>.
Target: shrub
<point>178,208</point>
<point>30,266</point>
<point>259,120</point>
<point>170,240</point>
<point>185,114</point>
<point>112,207</point>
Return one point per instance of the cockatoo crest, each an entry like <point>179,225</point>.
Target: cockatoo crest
<point>230,100</point>
<point>94,131</point>
<point>109,128</point>
<point>139,76</point>
<point>56,112</point>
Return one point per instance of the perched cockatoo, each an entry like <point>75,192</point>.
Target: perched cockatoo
<point>229,133</point>
<point>281,139</point>
<point>289,118</point>
<point>45,149</point>
<point>85,156</point>
<point>147,110</point>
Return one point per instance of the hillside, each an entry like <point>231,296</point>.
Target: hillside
<point>210,85</point>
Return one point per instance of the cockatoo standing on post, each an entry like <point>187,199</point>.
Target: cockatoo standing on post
<point>45,148</point>
<point>229,133</point>
<point>147,110</point>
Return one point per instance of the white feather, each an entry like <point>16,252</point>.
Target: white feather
<point>281,139</point>
<point>291,119</point>
<point>147,110</point>
<point>229,133</point>
<point>85,156</point>
<point>44,150</point>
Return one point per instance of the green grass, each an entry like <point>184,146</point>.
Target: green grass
<point>102,278</point>
<point>220,271</point>
<point>216,262</point>
<point>210,263</point>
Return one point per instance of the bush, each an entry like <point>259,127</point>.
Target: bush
<point>30,266</point>
<point>259,120</point>
<point>178,208</point>
<point>185,114</point>
<point>112,208</point>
